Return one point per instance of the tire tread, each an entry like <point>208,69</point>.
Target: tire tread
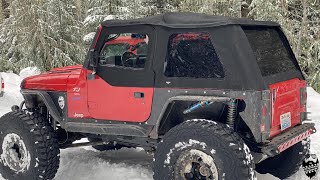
<point>47,148</point>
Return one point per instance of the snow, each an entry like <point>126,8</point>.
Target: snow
<point>213,151</point>
<point>133,164</point>
<point>24,162</point>
<point>248,154</point>
<point>201,120</point>
<point>12,94</point>
<point>183,145</point>
<point>109,17</point>
<point>93,19</point>
<point>86,163</point>
<point>29,71</point>
<point>89,37</point>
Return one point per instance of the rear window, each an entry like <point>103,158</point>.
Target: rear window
<point>192,55</point>
<point>271,52</point>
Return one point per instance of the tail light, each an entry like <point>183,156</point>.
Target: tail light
<point>303,96</point>
<point>303,103</point>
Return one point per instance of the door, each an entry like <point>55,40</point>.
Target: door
<point>123,87</point>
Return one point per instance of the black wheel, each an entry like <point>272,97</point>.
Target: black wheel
<point>202,150</point>
<point>286,163</point>
<point>106,147</point>
<point>29,148</point>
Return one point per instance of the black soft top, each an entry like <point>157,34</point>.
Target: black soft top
<point>228,38</point>
<point>188,20</point>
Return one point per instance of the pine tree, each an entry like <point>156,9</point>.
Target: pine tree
<point>41,33</point>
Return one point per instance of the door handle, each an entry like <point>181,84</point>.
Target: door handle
<point>138,95</point>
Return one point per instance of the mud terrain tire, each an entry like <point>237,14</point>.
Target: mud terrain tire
<point>29,148</point>
<point>285,164</point>
<point>202,149</point>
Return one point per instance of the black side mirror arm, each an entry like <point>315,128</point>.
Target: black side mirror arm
<point>94,59</point>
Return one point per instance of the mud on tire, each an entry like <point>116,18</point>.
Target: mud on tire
<point>202,149</point>
<point>29,148</point>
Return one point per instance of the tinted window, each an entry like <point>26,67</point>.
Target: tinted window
<point>192,55</point>
<point>125,50</point>
<point>271,52</point>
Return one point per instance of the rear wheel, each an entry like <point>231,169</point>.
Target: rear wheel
<point>202,149</point>
<point>287,163</point>
<point>29,148</point>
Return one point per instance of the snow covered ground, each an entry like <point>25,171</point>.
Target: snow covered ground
<point>85,163</point>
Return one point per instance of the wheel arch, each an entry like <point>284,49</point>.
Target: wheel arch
<point>33,98</point>
<point>172,111</point>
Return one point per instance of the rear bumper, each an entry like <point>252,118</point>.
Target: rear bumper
<point>288,138</point>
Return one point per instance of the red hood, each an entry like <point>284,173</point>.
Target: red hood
<point>53,80</point>
<point>65,69</point>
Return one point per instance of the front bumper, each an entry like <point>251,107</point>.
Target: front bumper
<point>288,138</point>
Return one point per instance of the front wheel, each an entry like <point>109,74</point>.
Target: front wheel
<point>202,149</point>
<point>29,148</point>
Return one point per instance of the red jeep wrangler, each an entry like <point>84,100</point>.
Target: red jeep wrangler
<point>212,98</point>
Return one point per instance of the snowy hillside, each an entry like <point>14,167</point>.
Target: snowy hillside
<point>11,92</point>
<point>130,164</point>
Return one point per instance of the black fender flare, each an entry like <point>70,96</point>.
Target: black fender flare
<point>154,133</point>
<point>47,100</point>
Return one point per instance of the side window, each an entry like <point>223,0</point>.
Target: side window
<point>192,55</point>
<point>271,53</point>
<point>125,50</point>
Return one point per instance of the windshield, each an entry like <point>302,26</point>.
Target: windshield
<point>125,50</point>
